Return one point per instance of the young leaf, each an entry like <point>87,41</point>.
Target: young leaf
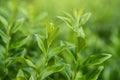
<point>56,51</point>
<point>50,27</point>
<point>80,44</point>
<point>20,42</point>
<point>17,25</point>
<point>4,36</point>
<point>93,75</point>
<point>52,32</point>
<point>42,43</point>
<point>68,72</point>
<point>50,70</point>
<point>96,59</point>
<point>24,61</point>
<point>52,36</point>
<point>32,77</point>
<point>66,20</point>
<point>2,52</point>
<point>20,75</point>
<point>4,22</point>
<point>85,18</point>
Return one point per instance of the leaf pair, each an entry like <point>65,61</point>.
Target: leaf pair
<point>96,59</point>
<point>50,70</point>
<point>24,61</point>
<point>43,45</point>
<point>52,32</point>
<point>76,21</point>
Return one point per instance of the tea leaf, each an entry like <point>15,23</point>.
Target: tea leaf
<point>20,42</point>
<point>96,59</point>
<point>4,36</point>
<point>56,51</point>
<point>4,22</point>
<point>42,43</point>
<point>80,44</point>
<point>2,52</point>
<point>24,61</point>
<point>17,25</point>
<point>68,72</point>
<point>94,74</point>
<point>20,75</point>
<point>66,20</point>
<point>50,70</point>
<point>52,32</point>
<point>85,18</point>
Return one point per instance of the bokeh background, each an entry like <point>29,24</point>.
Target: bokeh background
<point>102,30</point>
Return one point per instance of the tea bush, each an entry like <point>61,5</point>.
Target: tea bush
<point>37,45</point>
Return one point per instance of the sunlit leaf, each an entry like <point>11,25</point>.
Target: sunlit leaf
<point>42,43</point>
<point>20,42</point>
<point>24,61</point>
<point>56,51</point>
<point>85,18</point>
<point>50,70</point>
<point>4,36</point>
<point>80,44</point>
<point>4,22</point>
<point>17,25</point>
<point>96,59</point>
<point>93,75</point>
<point>20,75</point>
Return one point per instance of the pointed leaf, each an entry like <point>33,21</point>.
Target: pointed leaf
<point>50,70</point>
<point>20,75</point>
<point>67,21</point>
<point>4,36</point>
<point>4,22</point>
<point>20,42</point>
<point>96,59</point>
<point>56,51</point>
<point>85,18</point>
<point>94,74</point>
<point>69,72</point>
<point>24,61</point>
<point>80,44</point>
<point>17,25</point>
<point>42,43</point>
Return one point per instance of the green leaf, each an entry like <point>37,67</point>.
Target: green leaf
<point>96,59</point>
<point>52,32</point>
<point>24,61</point>
<point>50,27</point>
<point>17,25</point>
<point>69,16</point>
<point>55,51</point>
<point>80,44</point>
<point>20,75</point>
<point>93,75</point>
<point>32,77</point>
<point>2,52</point>
<point>68,72</point>
<point>41,62</point>
<point>42,43</point>
<point>85,18</point>
<point>80,32</point>
<point>4,22</point>
<point>67,21</point>
<point>50,70</point>
<point>4,36</point>
<point>20,42</point>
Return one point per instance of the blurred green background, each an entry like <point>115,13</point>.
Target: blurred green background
<point>102,29</point>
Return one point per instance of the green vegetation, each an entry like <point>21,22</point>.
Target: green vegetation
<point>59,40</point>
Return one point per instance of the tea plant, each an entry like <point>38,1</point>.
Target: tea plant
<point>55,61</point>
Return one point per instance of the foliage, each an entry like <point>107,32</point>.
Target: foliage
<point>33,48</point>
